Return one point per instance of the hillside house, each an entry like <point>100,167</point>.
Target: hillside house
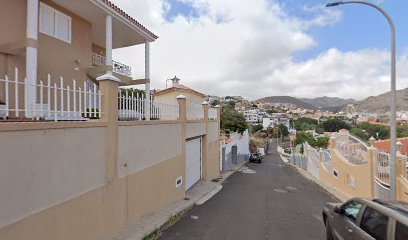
<point>59,42</point>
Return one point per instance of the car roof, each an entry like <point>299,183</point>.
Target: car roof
<point>397,210</point>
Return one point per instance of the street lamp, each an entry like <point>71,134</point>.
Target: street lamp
<point>393,116</point>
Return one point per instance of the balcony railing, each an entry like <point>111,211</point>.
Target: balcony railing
<point>98,60</point>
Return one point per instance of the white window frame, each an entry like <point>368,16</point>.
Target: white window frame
<point>42,6</point>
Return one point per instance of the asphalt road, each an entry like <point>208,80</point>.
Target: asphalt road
<point>276,202</point>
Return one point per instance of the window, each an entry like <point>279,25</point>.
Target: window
<point>55,23</point>
<point>401,231</point>
<point>351,210</point>
<point>375,224</point>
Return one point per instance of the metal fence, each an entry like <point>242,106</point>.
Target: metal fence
<point>326,160</point>
<point>352,149</point>
<point>313,158</point>
<point>50,100</point>
<point>118,67</point>
<point>212,114</point>
<point>195,112</point>
<point>133,107</point>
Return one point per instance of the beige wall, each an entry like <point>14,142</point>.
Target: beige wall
<point>195,128</point>
<point>39,169</point>
<point>57,57</point>
<point>402,189</point>
<point>13,15</point>
<point>171,97</point>
<point>142,146</point>
<point>213,133</point>
<point>213,165</point>
<point>110,195</point>
<point>361,173</point>
<point>103,211</point>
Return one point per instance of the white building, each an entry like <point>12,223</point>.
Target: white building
<point>251,116</point>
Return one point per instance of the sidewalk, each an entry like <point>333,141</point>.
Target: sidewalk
<point>198,194</point>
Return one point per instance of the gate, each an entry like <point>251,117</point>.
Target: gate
<point>382,176</point>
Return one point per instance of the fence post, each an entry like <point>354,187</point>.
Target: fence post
<point>371,164</point>
<point>109,108</point>
<point>206,164</point>
<point>182,102</point>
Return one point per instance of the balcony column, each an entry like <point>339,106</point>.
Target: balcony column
<point>31,56</point>
<point>147,77</point>
<point>108,35</point>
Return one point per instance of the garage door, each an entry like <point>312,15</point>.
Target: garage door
<point>193,162</point>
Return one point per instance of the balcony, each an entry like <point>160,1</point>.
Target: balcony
<point>98,60</point>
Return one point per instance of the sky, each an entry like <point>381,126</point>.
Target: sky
<point>260,48</point>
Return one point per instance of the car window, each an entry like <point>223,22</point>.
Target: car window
<point>351,210</point>
<point>401,231</point>
<point>375,224</point>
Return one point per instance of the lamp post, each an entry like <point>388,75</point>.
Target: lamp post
<point>393,132</point>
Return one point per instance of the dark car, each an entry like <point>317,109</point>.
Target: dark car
<point>361,218</point>
<point>255,157</point>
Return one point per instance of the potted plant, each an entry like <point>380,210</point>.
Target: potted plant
<point>3,110</point>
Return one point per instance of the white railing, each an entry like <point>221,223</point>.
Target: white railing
<point>327,159</point>
<point>133,107</point>
<point>118,67</point>
<point>54,101</point>
<point>195,112</point>
<point>212,114</point>
<point>382,167</point>
<point>352,149</point>
<point>313,161</point>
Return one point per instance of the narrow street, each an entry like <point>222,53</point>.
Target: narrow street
<point>275,202</point>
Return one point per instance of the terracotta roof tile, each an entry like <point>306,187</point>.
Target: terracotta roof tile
<point>180,87</point>
<point>127,16</point>
<point>384,145</point>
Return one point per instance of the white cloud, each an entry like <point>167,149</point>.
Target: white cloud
<point>246,48</point>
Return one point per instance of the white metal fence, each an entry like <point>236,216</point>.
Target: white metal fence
<point>49,100</point>
<point>327,160</point>
<point>133,107</point>
<point>382,168</point>
<point>313,162</point>
<point>195,112</point>
<point>352,149</point>
<point>212,114</point>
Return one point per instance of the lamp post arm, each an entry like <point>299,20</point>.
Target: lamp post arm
<point>393,115</point>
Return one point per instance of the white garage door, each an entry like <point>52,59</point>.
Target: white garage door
<point>193,162</point>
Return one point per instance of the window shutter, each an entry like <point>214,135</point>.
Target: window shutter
<point>47,22</point>
<point>63,27</point>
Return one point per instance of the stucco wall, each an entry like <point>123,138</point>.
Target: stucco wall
<point>213,133</point>
<point>362,174</point>
<point>57,57</point>
<point>402,189</point>
<point>13,15</point>
<point>194,129</point>
<point>142,146</point>
<point>39,169</point>
<point>105,210</point>
<point>213,167</point>
<point>171,97</point>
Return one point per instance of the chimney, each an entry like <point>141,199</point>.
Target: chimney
<point>175,81</point>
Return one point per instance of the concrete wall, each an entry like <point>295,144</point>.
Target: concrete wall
<point>347,175</point>
<point>402,189</point>
<point>195,128</point>
<point>39,169</point>
<point>142,146</point>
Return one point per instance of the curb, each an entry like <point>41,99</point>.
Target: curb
<point>194,203</point>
